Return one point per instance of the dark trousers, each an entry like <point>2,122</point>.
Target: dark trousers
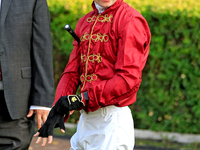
<point>14,134</point>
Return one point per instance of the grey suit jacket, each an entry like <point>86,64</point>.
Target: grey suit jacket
<point>26,55</point>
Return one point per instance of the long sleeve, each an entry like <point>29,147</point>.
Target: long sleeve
<point>42,53</point>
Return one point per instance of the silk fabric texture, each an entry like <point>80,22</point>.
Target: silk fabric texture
<point>109,60</point>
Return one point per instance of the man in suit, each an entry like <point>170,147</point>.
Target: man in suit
<point>26,82</point>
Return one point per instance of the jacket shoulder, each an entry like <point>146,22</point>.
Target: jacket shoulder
<point>82,21</point>
<point>129,12</point>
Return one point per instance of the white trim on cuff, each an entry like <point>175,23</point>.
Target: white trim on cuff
<point>39,108</point>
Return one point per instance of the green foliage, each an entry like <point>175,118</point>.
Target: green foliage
<point>168,98</point>
<point>63,12</point>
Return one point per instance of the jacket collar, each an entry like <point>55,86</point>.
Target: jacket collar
<point>114,6</point>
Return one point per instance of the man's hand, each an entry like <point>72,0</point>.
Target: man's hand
<point>41,116</point>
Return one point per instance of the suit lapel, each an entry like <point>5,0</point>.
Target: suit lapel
<point>5,4</point>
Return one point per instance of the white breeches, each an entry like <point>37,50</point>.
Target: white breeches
<point>108,128</point>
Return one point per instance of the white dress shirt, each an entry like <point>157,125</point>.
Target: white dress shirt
<point>99,8</point>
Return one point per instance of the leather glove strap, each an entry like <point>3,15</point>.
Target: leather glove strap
<point>75,101</point>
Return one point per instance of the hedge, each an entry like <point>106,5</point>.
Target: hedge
<point>169,96</point>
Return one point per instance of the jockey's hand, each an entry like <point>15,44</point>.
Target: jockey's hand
<point>54,119</point>
<point>63,107</point>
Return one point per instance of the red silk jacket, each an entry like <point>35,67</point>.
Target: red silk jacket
<point>109,60</point>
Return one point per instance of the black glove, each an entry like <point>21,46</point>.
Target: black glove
<point>61,109</point>
<point>71,102</point>
<point>54,119</point>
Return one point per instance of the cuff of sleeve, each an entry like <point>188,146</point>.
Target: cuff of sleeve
<point>39,108</point>
<point>85,97</point>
